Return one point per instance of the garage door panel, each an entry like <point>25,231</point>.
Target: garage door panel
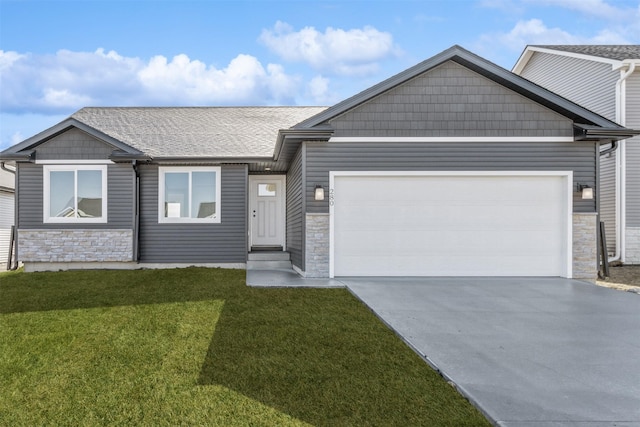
<point>442,226</point>
<point>441,265</point>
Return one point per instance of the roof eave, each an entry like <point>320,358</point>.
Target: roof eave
<point>298,135</point>
<point>20,156</point>
<point>210,159</point>
<point>594,133</point>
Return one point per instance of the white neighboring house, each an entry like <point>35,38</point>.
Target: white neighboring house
<point>7,214</point>
<point>606,80</point>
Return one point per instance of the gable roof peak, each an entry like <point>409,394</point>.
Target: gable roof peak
<point>478,65</point>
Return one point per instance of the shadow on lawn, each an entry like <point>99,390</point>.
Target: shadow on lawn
<point>316,354</point>
<point>322,357</point>
<point>66,290</point>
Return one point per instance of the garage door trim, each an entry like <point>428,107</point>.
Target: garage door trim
<point>568,200</point>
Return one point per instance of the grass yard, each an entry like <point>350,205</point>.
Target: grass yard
<point>197,347</point>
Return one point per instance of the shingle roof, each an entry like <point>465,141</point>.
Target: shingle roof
<point>615,52</point>
<point>221,132</point>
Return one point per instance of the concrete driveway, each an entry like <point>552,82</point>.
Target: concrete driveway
<point>526,351</point>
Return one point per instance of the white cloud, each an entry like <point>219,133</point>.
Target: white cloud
<point>318,89</point>
<point>534,31</point>
<point>67,80</point>
<point>16,137</point>
<point>8,58</point>
<point>345,52</point>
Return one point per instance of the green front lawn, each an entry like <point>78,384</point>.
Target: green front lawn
<point>198,347</point>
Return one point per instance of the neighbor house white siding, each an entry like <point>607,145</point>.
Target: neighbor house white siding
<point>633,150</point>
<point>6,221</point>
<point>591,84</point>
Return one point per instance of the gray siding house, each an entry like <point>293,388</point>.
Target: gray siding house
<point>452,167</point>
<point>605,79</point>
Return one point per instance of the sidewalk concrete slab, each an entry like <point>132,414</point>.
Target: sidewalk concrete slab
<point>527,351</point>
<point>287,278</point>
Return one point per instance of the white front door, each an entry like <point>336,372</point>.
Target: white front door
<point>267,210</point>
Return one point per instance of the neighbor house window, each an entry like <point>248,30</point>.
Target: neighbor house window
<point>75,193</point>
<point>189,195</point>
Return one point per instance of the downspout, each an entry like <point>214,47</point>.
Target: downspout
<point>13,266</point>
<point>621,180</point>
<point>136,213</point>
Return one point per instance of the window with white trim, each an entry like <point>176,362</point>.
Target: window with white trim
<point>189,194</point>
<point>74,193</point>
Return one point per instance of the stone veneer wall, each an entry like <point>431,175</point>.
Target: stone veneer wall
<point>317,245</point>
<point>75,245</point>
<point>585,246</point>
<point>632,243</point>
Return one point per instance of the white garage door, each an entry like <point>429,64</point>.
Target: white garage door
<point>450,225</point>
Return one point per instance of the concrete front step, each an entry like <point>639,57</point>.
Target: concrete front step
<point>269,265</point>
<point>269,256</point>
<point>269,260</point>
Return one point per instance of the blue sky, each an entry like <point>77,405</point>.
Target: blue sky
<point>58,56</point>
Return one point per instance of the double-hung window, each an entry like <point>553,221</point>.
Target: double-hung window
<point>189,195</point>
<point>74,193</point>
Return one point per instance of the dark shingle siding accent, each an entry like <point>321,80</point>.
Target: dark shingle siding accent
<point>225,242</point>
<point>73,144</point>
<point>451,100</point>
<point>615,52</point>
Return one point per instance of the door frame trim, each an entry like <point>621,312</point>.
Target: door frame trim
<point>567,175</point>
<point>283,206</point>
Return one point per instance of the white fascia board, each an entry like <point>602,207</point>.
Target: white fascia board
<point>74,162</point>
<point>393,139</point>
<point>624,65</point>
<point>333,174</point>
<point>526,56</point>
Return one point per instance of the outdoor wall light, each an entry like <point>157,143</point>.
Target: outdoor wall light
<point>587,192</point>
<point>318,193</point>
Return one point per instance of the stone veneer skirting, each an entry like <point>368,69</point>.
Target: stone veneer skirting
<point>585,246</point>
<point>632,243</point>
<point>317,245</point>
<point>585,255</point>
<point>85,245</point>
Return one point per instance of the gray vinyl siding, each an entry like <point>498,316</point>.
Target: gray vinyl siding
<point>588,83</point>
<point>225,242</point>
<point>633,151</point>
<point>451,100</point>
<point>73,144</point>
<point>579,157</point>
<point>607,193</point>
<point>120,183</point>
<point>295,209</point>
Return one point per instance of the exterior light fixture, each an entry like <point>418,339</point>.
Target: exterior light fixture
<point>318,193</point>
<point>587,192</point>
